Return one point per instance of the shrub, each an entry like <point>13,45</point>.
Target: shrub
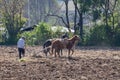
<point>41,33</point>
<point>98,36</point>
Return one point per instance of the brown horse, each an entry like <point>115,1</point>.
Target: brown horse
<point>71,43</point>
<point>47,43</point>
<point>58,45</point>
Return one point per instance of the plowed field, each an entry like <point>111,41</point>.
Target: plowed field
<point>87,63</point>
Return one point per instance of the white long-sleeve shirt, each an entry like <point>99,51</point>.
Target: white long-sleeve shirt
<point>21,43</point>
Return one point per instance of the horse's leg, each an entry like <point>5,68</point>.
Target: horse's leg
<point>72,51</point>
<point>58,51</point>
<point>49,49</point>
<point>61,52</point>
<point>44,50</point>
<point>55,52</point>
<point>68,52</point>
<point>52,51</point>
<point>46,54</point>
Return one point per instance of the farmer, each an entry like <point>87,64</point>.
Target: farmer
<point>65,35</point>
<point>21,47</point>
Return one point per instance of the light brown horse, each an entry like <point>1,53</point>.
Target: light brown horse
<point>58,45</point>
<point>47,43</point>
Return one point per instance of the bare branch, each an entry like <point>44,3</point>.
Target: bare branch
<point>58,17</point>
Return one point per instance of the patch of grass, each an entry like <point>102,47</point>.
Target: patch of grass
<point>22,60</point>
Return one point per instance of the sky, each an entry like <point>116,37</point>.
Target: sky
<point>70,5</point>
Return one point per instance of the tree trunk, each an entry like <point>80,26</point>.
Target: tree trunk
<point>67,17</point>
<point>106,12</point>
<point>81,25</point>
<point>75,17</point>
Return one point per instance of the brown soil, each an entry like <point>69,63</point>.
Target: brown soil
<point>87,63</point>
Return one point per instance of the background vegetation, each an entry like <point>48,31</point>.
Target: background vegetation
<point>95,21</point>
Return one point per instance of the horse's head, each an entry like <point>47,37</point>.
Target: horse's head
<point>76,37</point>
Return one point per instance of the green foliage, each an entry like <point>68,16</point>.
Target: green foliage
<point>116,37</point>
<point>38,35</point>
<point>41,33</point>
<point>96,14</point>
<point>0,36</point>
<point>11,17</point>
<point>97,36</point>
<point>84,5</point>
<point>13,28</point>
<point>102,35</point>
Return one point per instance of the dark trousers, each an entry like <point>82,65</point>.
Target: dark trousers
<point>21,52</point>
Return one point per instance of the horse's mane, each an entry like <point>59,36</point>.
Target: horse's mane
<point>73,37</point>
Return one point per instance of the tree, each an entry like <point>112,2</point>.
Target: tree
<point>38,10</point>
<point>11,11</point>
<point>75,2</point>
<point>84,7</point>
